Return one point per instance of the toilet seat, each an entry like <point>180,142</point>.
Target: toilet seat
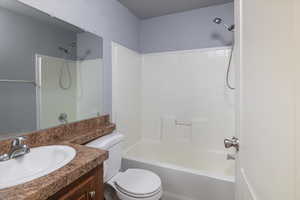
<point>137,184</point>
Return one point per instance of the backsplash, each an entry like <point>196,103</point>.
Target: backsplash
<point>78,133</point>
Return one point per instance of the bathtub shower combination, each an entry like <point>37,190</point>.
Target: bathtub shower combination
<point>175,110</point>
<point>186,173</point>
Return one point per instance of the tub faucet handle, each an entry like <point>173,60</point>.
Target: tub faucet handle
<point>232,142</point>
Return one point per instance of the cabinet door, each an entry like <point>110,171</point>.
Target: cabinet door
<point>85,190</point>
<point>88,187</point>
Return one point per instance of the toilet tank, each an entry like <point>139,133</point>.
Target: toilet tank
<point>113,144</point>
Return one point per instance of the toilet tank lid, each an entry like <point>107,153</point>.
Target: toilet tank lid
<point>107,141</point>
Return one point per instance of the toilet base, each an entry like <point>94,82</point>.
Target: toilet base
<point>110,193</point>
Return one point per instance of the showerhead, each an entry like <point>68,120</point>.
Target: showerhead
<point>217,20</point>
<point>86,54</point>
<point>231,28</point>
<point>65,50</point>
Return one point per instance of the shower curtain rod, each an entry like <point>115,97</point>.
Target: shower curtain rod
<point>18,81</point>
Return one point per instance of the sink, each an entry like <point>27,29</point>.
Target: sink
<point>39,162</point>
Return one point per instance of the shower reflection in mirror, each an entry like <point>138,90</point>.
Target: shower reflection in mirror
<point>71,83</point>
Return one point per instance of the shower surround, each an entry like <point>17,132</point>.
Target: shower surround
<point>175,111</point>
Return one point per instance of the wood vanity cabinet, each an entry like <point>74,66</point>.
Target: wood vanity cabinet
<point>88,187</point>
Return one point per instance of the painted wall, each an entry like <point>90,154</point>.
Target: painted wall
<point>20,40</point>
<point>89,46</point>
<point>106,18</point>
<point>187,87</point>
<point>114,22</point>
<point>187,30</point>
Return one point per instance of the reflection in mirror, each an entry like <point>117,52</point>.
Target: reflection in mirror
<point>50,71</point>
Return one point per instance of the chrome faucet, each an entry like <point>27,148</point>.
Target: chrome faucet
<point>232,142</point>
<point>4,157</point>
<point>63,118</point>
<point>18,149</point>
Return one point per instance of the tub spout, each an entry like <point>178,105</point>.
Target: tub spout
<point>231,157</point>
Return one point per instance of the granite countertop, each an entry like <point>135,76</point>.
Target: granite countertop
<point>85,160</point>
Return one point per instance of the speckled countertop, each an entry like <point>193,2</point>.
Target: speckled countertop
<point>86,158</point>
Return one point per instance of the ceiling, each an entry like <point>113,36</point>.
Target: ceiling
<point>153,8</point>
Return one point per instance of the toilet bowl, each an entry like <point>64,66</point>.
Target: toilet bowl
<point>133,184</point>
<point>137,184</point>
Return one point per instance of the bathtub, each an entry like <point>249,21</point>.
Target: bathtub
<point>187,173</point>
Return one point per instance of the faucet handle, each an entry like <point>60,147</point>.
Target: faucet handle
<point>18,140</point>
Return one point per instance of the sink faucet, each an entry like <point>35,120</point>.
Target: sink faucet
<point>63,118</point>
<point>18,149</point>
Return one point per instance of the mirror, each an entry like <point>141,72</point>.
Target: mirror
<point>51,72</point>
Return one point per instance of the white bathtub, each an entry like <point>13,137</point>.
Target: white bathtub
<point>186,172</point>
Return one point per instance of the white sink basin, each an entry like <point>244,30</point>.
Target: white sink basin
<point>39,162</point>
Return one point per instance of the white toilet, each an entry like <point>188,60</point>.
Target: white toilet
<point>133,184</point>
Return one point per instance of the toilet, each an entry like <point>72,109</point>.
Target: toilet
<point>133,184</point>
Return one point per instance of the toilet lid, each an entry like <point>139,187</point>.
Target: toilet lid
<point>138,182</point>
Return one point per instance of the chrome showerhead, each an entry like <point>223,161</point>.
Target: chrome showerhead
<point>217,20</point>
<point>231,28</point>
<point>63,49</point>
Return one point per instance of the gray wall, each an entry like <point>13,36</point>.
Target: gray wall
<point>106,18</point>
<point>187,30</point>
<point>89,46</point>
<point>20,40</point>
<point>114,22</point>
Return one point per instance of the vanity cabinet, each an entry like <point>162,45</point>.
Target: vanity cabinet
<point>88,187</point>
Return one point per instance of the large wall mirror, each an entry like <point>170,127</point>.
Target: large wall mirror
<point>51,72</point>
